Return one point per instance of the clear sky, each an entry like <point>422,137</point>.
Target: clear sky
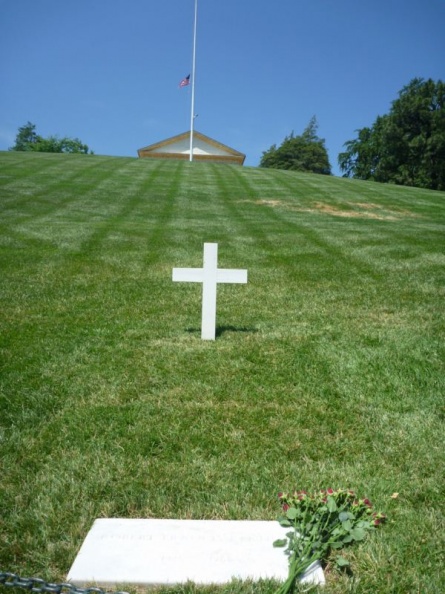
<point>107,71</point>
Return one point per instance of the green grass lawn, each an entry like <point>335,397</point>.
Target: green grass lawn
<point>327,371</point>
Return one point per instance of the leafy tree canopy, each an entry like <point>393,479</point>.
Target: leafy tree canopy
<point>28,140</point>
<point>299,153</point>
<point>406,146</point>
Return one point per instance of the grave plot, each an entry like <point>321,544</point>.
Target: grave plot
<point>158,552</point>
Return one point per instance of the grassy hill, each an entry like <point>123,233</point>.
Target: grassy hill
<point>327,370</point>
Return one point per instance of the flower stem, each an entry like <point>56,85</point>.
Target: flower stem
<point>297,566</point>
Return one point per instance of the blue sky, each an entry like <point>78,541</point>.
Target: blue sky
<point>107,71</point>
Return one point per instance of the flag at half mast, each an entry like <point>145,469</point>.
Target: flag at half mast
<point>185,81</point>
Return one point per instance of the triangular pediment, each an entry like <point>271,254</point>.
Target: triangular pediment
<point>204,149</point>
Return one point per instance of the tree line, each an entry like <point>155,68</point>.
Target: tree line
<point>405,146</point>
<point>27,139</point>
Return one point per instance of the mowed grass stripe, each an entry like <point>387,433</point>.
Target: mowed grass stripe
<point>369,254</point>
<point>317,245</point>
<point>133,209</point>
<point>43,301</point>
<point>45,185</point>
<point>112,406</point>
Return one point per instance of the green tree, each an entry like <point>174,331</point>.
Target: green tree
<point>53,144</point>
<point>306,152</point>
<point>406,146</point>
<point>28,140</point>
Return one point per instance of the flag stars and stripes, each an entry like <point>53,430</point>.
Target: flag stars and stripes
<point>185,81</point>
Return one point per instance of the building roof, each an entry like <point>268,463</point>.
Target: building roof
<point>204,149</point>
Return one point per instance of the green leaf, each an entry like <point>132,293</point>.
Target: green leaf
<point>358,533</point>
<point>317,544</point>
<point>347,525</point>
<point>341,562</point>
<point>332,506</point>
<point>292,513</point>
<point>314,530</point>
<point>284,522</point>
<point>337,545</point>
<point>280,542</point>
<point>348,538</point>
<point>343,516</point>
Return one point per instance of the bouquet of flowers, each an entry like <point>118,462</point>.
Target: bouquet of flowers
<point>320,522</point>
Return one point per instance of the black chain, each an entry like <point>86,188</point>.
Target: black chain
<point>39,586</point>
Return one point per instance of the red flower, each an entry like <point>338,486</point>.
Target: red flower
<point>285,507</point>
<point>379,518</point>
<point>330,491</point>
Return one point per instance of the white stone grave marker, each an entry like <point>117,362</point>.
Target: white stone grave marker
<point>119,552</point>
<point>209,275</point>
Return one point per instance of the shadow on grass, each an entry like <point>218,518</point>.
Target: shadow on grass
<point>220,330</point>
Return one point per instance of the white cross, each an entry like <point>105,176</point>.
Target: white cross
<point>209,275</point>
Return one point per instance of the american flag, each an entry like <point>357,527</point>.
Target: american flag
<point>185,81</point>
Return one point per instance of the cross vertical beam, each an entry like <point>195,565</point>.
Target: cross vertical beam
<point>209,275</point>
<point>208,318</point>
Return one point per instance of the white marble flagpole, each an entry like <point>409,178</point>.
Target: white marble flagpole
<point>209,275</point>
<point>192,116</point>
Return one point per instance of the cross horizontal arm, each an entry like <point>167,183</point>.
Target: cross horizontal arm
<point>188,275</point>
<point>231,275</point>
